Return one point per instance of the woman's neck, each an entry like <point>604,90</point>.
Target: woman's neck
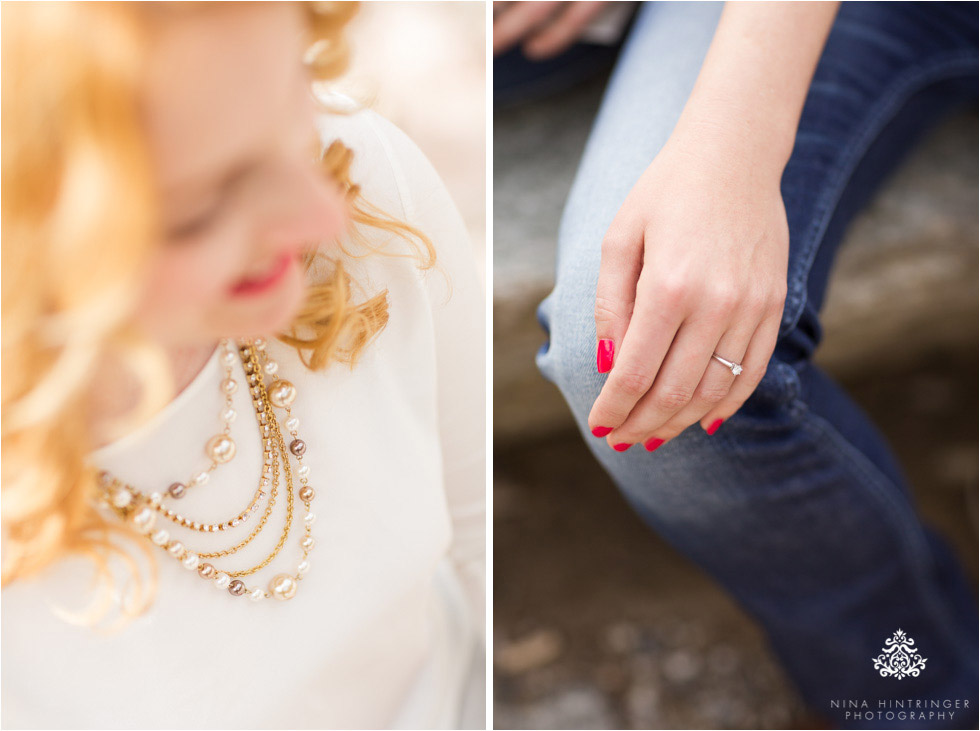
<point>187,363</point>
<point>116,390</point>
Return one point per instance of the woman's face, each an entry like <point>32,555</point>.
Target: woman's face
<point>230,120</point>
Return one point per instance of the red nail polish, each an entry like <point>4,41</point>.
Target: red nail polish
<point>601,431</point>
<point>604,356</point>
<point>714,426</point>
<point>622,447</point>
<point>652,444</point>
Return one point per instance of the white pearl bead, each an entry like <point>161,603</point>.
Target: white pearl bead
<point>229,415</point>
<point>307,542</point>
<point>283,587</point>
<point>144,519</point>
<point>271,367</point>
<point>222,580</point>
<point>256,595</point>
<point>161,537</point>
<point>229,386</point>
<point>282,394</point>
<point>229,358</point>
<point>303,471</point>
<point>221,448</point>
<point>303,567</point>
<point>309,518</point>
<point>122,497</point>
<point>201,478</point>
<point>155,498</point>
<point>191,561</point>
<point>292,424</point>
<point>176,549</point>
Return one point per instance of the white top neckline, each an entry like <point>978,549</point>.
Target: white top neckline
<point>189,393</point>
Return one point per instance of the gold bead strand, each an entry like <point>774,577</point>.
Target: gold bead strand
<point>276,439</point>
<point>282,394</point>
<point>143,519</point>
<point>140,513</point>
<point>262,521</point>
<point>154,500</point>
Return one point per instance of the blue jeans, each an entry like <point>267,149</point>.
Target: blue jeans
<point>796,505</point>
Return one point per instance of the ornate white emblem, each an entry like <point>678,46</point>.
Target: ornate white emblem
<point>899,658</point>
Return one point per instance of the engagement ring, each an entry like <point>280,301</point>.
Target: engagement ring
<point>735,367</point>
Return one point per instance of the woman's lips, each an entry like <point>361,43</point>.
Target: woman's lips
<point>262,284</point>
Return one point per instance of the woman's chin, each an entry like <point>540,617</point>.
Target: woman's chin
<point>274,311</point>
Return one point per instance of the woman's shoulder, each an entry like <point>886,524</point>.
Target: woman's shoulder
<point>395,176</point>
<point>391,170</point>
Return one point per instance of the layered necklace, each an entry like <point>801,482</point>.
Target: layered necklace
<point>148,511</point>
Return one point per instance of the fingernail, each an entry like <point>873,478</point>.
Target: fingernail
<point>622,447</point>
<point>604,356</point>
<point>653,444</point>
<point>714,426</point>
<point>601,431</point>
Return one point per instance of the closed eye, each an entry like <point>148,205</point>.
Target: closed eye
<point>194,226</point>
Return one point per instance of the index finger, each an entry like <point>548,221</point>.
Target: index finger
<point>620,263</point>
<point>657,315</point>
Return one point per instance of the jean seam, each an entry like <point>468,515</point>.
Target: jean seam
<point>902,89</point>
<point>909,537</point>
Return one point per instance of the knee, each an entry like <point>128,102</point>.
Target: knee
<point>568,358</point>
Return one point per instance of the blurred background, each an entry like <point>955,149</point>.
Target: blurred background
<point>422,65</point>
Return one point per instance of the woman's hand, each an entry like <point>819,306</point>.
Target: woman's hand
<point>693,264</point>
<point>545,28</point>
<point>695,261</point>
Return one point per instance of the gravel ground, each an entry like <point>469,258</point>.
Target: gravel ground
<point>599,624</point>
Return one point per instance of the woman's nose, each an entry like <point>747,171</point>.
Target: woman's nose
<point>305,207</point>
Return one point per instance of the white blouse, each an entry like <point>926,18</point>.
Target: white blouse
<point>387,628</point>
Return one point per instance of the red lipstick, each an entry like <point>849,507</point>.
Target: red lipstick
<point>251,287</point>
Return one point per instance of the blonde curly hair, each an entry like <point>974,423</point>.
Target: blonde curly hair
<point>79,221</point>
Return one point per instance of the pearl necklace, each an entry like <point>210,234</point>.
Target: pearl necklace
<point>221,447</point>
<point>141,510</point>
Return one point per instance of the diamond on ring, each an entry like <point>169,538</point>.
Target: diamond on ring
<point>735,368</point>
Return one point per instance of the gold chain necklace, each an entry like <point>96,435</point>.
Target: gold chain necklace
<point>142,509</point>
<point>128,493</point>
